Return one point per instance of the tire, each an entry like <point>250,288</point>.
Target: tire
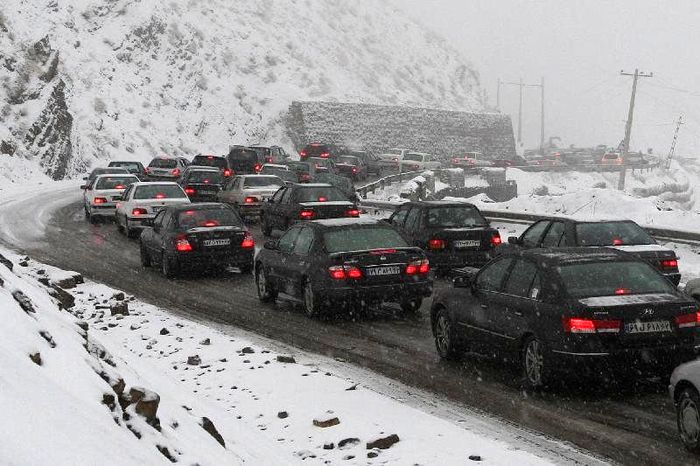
<point>92,219</point>
<point>411,306</point>
<point>145,257</point>
<point>127,231</point>
<point>120,227</point>
<point>246,269</point>
<point>446,341</point>
<point>167,267</point>
<point>311,305</point>
<point>266,294</point>
<point>688,419</point>
<point>266,229</point>
<point>534,364</point>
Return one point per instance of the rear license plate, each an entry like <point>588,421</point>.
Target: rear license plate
<point>648,327</point>
<point>467,243</point>
<point>382,271</point>
<point>217,242</point>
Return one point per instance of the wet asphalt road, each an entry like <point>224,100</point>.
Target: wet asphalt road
<point>634,426</point>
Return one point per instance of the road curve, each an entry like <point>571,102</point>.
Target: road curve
<point>635,427</point>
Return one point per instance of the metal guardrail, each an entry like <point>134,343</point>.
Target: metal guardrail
<point>381,183</point>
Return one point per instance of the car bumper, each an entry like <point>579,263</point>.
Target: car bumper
<point>103,210</point>
<point>457,259</point>
<point>252,210</point>
<point>235,258</point>
<point>204,198</point>
<point>380,293</point>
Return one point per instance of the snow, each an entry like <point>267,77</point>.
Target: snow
<point>343,222</point>
<point>641,248</point>
<point>623,300</point>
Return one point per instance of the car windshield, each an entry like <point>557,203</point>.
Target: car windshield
<point>209,161</point>
<point>300,167</point>
<point>348,159</point>
<point>610,156</point>
<point>612,278</point>
<point>217,217</point>
<point>262,181</point>
<point>413,157</point>
<point>163,163</point>
<point>319,194</point>
<point>315,150</point>
<point>132,167</point>
<point>206,177</point>
<point>115,182</point>
<point>455,217</point>
<point>611,234</point>
<point>159,191</point>
<point>362,239</point>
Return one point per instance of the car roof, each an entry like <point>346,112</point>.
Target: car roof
<point>257,175</point>
<point>314,185</point>
<point>201,168</point>
<point>440,203</point>
<point>276,165</point>
<point>211,155</point>
<point>199,206</point>
<point>125,161</point>
<point>121,175</point>
<point>552,257</point>
<point>346,222</point>
<point>107,170</point>
<point>155,183</point>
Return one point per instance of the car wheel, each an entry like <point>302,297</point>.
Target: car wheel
<point>533,364</point>
<point>688,419</point>
<point>266,294</point>
<point>145,257</point>
<point>120,227</point>
<point>266,229</point>
<point>127,230</point>
<point>411,306</point>
<point>92,219</point>
<point>167,266</point>
<point>445,338</point>
<point>311,304</point>
<point>246,269</point>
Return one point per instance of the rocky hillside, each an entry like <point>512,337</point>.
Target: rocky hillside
<point>86,81</point>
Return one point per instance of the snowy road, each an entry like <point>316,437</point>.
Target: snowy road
<point>636,427</point>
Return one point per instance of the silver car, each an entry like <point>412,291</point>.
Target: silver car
<point>248,192</point>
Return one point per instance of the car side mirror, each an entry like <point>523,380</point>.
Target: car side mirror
<point>83,186</point>
<point>514,240</point>
<point>271,245</point>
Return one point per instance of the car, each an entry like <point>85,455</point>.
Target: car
<point>454,234</point>
<point>469,161</point>
<point>166,168</point>
<point>272,154</point>
<point>624,235</point>
<point>135,168</point>
<point>352,167</point>
<point>305,170</point>
<point>513,161</point>
<point>103,171</point>
<point>684,389</point>
<point>184,237</point>
<point>280,170</point>
<point>142,201</point>
<point>247,193</point>
<point>416,161</point>
<point>614,158</point>
<point>391,158</point>
<point>343,263</point>
<point>202,184</point>
<point>215,161</point>
<point>322,165</point>
<point>245,160</point>
<point>375,165</point>
<point>101,195</point>
<point>317,149</point>
<point>303,202</point>
<point>588,311</point>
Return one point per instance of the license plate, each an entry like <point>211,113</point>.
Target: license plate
<point>383,271</point>
<point>648,327</point>
<point>217,242</point>
<point>467,243</point>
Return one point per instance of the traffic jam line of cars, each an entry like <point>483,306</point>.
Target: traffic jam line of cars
<point>566,298</point>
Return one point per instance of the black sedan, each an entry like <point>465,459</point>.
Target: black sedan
<point>343,263</point>
<point>587,310</point>
<point>197,236</point>
<point>302,202</point>
<point>453,234</point>
<point>202,184</point>
<point>624,235</point>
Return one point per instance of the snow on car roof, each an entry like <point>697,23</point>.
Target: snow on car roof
<point>155,183</point>
<point>345,222</point>
<point>202,168</point>
<point>120,175</point>
<point>276,165</point>
<point>314,185</point>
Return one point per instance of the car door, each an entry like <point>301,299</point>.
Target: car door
<point>398,218</point>
<point>299,261</point>
<point>412,227</point>
<point>270,207</point>
<point>482,317</point>
<point>519,303</point>
<point>279,263</point>
<point>151,238</point>
<point>286,209</point>
<point>532,236</point>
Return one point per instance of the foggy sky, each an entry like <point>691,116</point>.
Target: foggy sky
<point>580,47</point>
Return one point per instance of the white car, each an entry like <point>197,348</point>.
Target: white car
<point>685,393</point>
<point>100,196</point>
<point>247,193</point>
<point>416,161</point>
<point>142,201</point>
<point>391,159</point>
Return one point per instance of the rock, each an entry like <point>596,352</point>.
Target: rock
<point>348,457</point>
<point>24,263</point>
<point>118,296</point>
<point>326,421</point>
<point>109,400</point>
<point>44,281</point>
<point>70,282</point>
<point>328,446</point>
<point>194,360</point>
<point>6,262</point>
<point>205,342</point>
<point>135,326</point>
<point>164,331</point>
<point>211,429</point>
<point>121,307</point>
<point>66,299</point>
<point>247,350</point>
<point>372,454</point>
<point>283,415</point>
<point>475,457</point>
<point>36,358</point>
<point>383,443</point>
<point>147,406</point>
<point>164,451</point>
<point>286,359</point>
<point>83,325</point>
<point>354,387</point>
<point>47,336</point>
<point>24,302</point>
<point>348,442</point>
<point>118,386</point>
<point>41,272</point>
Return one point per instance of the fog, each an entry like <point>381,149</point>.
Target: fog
<point>579,47</point>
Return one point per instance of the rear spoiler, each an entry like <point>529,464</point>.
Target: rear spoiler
<point>219,228</point>
<point>368,251</point>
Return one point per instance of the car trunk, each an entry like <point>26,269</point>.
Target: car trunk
<point>661,259</point>
<point>381,266</point>
<point>463,239</point>
<point>261,194</point>
<point>329,209</point>
<point>112,195</point>
<point>216,240</point>
<point>156,205</point>
<point>206,191</point>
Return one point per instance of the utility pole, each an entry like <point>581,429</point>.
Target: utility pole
<point>542,115</point>
<point>498,95</point>
<point>520,114</point>
<point>672,152</point>
<point>522,85</point>
<point>628,126</point>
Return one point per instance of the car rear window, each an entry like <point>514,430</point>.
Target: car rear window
<point>115,182</point>
<point>455,217</point>
<point>263,151</point>
<point>209,161</point>
<point>319,194</point>
<point>413,157</point>
<point>130,166</point>
<point>612,278</point>
<point>159,191</point>
<point>315,150</point>
<point>300,167</point>
<point>163,163</point>
<point>350,160</point>
<point>611,234</point>
<point>262,181</point>
<point>207,177</point>
<point>248,155</point>
<point>273,170</point>
<point>362,239</point>
<point>108,171</point>
<point>208,218</point>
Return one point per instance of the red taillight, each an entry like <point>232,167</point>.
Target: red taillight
<point>161,196</point>
<point>621,291</point>
<point>352,213</point>
<point>211,223</point>
<point>147,170</point>
<point>182,244</point>
<point>381,252</point>
<point>248,241</point>
<point>138,211</point>
<point>302,154</point>
<point>324,155</point>
<point>258,167</point>
<point>210,157</point>
<point>249,200</point>
<point>669,264</point>
<point>354,170</point>
<point>455,160</point>
<point>353,272</point>
<point>306,214</point>
<point>688,320</point>
<point>99,200</point>
<point>424,267</point>
<point>579,325</point>
<point>304,177</point>
<point>341,272</point>
<point>617,242</point>
<point>190,191</point>
<point>268,159</point>
<point>322,199</point>
<point>176,172</point>
<point>227,173</point>
<point>436,243</point>
<point>418,267</point>
<point>496,239</point>
<point>120,186</point>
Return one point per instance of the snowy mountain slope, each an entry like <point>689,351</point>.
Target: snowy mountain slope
<point>142,78</point>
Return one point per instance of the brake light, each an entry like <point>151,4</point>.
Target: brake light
<point>189,191</point>
<point>161,196</point>
<point>354,170</point>
<point>418,267</point>
<point>341,272</point>
<point>302,154</point>
<point>176,172</point>
<point>258,167</point>
<point>380,252</point>
<point>268,159</point>
<point>324,155</point>
<point>455,160</point>
<point>669,263</point>
<point>138,211</point>
<point>424,267</point>
<point>579,325</point>
<point>306,214</point>
<point>621,291</point>
<point>496,239</point>
<point>304,177</point>
<point>210,157</point>
<point>99,200</point>
<point>617,242</point>
<point>249,200</point>
<point>248,241</point>
<point>688,320</point>
<point>227,173</point>
<point>322,199</point>
<point>352,213</point>
<point>119,186</point>
<point>436,243</point>
<point>182,244</point>
<point>147,170</point>
<point>211,223</point>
